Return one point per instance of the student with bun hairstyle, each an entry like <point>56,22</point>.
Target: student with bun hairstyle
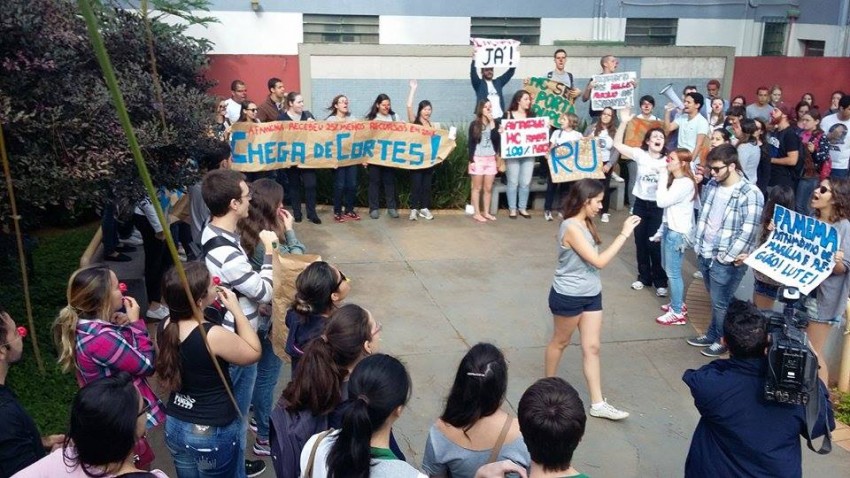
<point>469,432</point>
<point>318,291</point>
<point>203,430</point>
<point>379,389</point>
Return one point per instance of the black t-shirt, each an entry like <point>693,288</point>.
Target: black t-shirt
<point>20,442</point>
<point>781,143</point>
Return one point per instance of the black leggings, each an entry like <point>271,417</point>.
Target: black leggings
<point>157,258</point>
<point>650,271</point>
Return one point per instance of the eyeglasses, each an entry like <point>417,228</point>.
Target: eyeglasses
<point>378,327</point>
<point>146,409</point>
<point>247,196</point>
<point>718,169</point>
<point>824,190</point>
<point>222,107</point>
<point>251,109</point>
<point>342,279</point>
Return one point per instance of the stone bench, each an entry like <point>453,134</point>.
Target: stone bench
<point>617,191</point>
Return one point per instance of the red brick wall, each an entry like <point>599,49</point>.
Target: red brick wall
<point>797,75</point>
<point>254,70</point>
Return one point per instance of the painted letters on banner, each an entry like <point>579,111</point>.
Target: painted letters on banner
<point>615,90</point>
<point>575,160</point>
<point>799,252</point>
<point>636,130</point>
<point>525,137</point>
<point>495,53</point>
<point>322,144</point>
<point>549,98</point>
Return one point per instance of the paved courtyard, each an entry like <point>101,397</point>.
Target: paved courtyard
<point>441,286</point>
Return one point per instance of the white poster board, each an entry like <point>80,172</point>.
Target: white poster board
<point>616,90</point>
<point>495,53</point>
<point>799,252</point>
<point>522,138</point>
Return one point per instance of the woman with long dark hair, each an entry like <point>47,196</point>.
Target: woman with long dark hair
<point>266,212</point>
<point>107,419</point>
<point>381,110</point>
<point>319,289</point>
<point>575,298</point>
<point>379,389</point>
<point>473,429</point>
<point>248,113</point>
<point>815,156</point>
<point>651,161</point>
<point>203,429</point>
<point>604,130</point>
<point>300,179</point>
<point>345,177</point>
<point>420,179</point>
<point>483,149</point>
<point>519,170</point>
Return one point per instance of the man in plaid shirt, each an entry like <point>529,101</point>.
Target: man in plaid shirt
<point>727,231</point>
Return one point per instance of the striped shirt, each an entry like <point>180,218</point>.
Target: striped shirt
<point>739,228</point>
<point>103,349</point>
<point>231,265</point>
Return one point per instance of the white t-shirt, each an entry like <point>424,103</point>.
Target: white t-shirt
<point>839,151</point>
<point>493,98</point>
<point>689,129</point>
<point>560,136</point>
<point>649,172</point>
<point>711,232</point>
<point>234,110</point>
<point>678,204</point>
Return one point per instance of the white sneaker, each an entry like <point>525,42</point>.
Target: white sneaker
<point>698,275</point>
<point>606,218</point>
<point>637,285</point>
<point>607,411</point>
<point>661,292</point>
<point>413,214</point>
<point>547,215</point>
<point>135,239</point>
<point>426,214</point>
<point>157,314</point>
<point>616,177</point>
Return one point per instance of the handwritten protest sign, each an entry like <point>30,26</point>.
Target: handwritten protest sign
<point>525,137</point>
<point>799,252</point>
<point>615,90</point>
<point>575,160</point>
<point>495,53</point>
<point>322,144</point>
<point>636,130</point>
<point>549,98</point>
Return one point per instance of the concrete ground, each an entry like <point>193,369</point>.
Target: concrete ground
<point>441,286</point>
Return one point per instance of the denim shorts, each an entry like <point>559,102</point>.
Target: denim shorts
<point>765,289</point>
<point>808,309</point>
<point>570,306</point>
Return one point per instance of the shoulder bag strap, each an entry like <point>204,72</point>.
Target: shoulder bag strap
<point>308,472</point>
<point>494,454</point>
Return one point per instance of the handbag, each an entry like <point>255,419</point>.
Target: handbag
<point>143,454</point>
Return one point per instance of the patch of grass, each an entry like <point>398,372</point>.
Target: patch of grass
<point>46,397</point>
<point>841,406</point>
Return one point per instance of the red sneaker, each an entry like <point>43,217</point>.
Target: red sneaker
<point>339,218</point>
<point>352,215</point>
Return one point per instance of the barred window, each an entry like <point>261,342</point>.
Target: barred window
<point>773,40</point>
<point>651,31</point>
<point>525,30</point>
<point>341,29</point>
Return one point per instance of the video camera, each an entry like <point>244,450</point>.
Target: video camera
<point>791,365</point>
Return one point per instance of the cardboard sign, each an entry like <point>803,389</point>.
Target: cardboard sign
<point>615,91</point>
<point>522,138</point>
<point>549,98</point>
<point>799,252</point>
<point>324,144</point>
<point>575,160</point>
<point>495,53</point>
<point>636,130</point>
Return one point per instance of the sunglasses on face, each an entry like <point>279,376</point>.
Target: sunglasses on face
<point>252,109</point>
<point>716,170</point>
<point>824,190</point>
<point>342,279</point>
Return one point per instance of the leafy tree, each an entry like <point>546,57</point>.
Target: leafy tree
<point>67,150</point>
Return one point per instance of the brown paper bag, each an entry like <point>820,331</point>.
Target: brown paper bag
<point>286,270</point>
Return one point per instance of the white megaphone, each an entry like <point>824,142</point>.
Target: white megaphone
<point>672,96</point>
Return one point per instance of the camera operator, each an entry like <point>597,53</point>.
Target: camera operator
<point>739,432</point>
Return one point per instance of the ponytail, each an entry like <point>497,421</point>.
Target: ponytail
<point>168,363</point>
<point>351,450</point>
<point>64,336</point>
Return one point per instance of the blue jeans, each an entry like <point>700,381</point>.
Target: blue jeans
<point>203,452</point>
<point>672,250</point>
<point>345,188</point>
<point>803,195</point>
<point>268,370</point>
<point>243,379</point>
<point>722,281</point>
<point>519,172</point>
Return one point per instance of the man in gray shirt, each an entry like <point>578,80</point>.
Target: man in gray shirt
<point>761,109</point>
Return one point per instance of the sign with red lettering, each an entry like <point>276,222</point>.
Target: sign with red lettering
<point>522,138</point>
<point>495,53</point>
<point>616,90</point>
